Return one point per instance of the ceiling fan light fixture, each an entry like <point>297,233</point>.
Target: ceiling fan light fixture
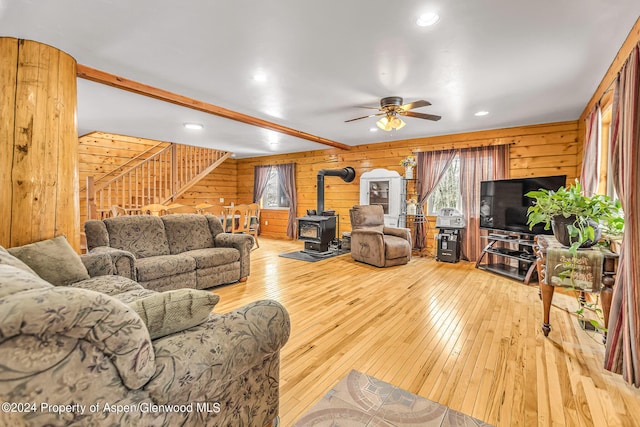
<point>397,123</point>
<point>390,122</point>
<point>384,124</point>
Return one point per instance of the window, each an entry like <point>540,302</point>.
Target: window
<point>605,183</point>
<point>447,192</point>
<point>274,196</point>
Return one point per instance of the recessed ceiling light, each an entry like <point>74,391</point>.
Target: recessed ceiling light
<point>260,76</point>
<point>428,19</point>
<point>194,126</point>
<point>373,129</point>
<point>482,113</point>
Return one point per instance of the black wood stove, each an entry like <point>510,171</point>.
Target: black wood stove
<point>318,228</point>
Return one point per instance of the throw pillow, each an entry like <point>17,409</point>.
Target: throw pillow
<point>14,280</point>
<point>7,259</point>
<point>172,311</point>
<point>54,260</point>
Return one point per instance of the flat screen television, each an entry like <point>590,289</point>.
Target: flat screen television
<point>503,204</point>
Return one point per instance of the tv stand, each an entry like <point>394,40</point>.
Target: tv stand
<point>513,258</point>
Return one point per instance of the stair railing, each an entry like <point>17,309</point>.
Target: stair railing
<point>161,178</point>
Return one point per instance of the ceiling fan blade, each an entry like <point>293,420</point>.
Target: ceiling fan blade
<point>416,104</point>
<point>364,117</point>
<point>422,116</point>
<point>369,108</point>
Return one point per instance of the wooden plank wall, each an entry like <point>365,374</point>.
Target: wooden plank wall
<point>221,183</point>
<point>546,149</point>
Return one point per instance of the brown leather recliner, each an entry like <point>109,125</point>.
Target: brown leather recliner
<point>375,244</point>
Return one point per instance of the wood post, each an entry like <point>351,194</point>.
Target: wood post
<point>92,212</point>
<point>38,144</point>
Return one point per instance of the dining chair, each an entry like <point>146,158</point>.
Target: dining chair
<point>118,211</point>
<point>178,208</point>
<point>155,209</point>
<point>254,221</point>
<point>236,219</point>
<point>207,208</point>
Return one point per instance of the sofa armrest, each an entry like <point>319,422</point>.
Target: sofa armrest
<point>224,347</point>
<point>403,233</point>
<point>62,314</point>
<point>123,261</point>
<point>98,264</point>
<point>243,243</point>
<point>367,245</point>
<point>362,232</point>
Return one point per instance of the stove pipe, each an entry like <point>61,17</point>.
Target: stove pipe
<point>347,174</point>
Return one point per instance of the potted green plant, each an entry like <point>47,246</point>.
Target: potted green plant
<point>577,220</point>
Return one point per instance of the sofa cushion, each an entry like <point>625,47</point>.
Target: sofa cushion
<point>142,235</point>
<point>215,224</point>
<point>213,257</point>
<point>14,280</point>
<point>96,234</point>
<point>173,311</point>
<point>7,259</point>
<point>133,295</point>
<point>162,266</point>
<point>54,260</point>
<point>110,285</point>
<point>396,247</point>
<point>367,216</point>
<point>186,232</point>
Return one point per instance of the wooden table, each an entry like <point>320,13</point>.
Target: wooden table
<point>545,275</point>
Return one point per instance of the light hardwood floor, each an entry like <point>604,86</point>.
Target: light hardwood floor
<point>462,337</point>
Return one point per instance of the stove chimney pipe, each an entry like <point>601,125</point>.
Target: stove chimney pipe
<point>347,174</point>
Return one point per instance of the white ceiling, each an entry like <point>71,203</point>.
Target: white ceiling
<point>525,62</point>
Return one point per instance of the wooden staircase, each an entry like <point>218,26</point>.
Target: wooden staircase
<point>160,178</point>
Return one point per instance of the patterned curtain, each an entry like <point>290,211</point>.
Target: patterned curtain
<point>591,153</point>
<point>287,177</point>
<point>260,180</point>
<point>431,167</point>
<point>478,164</point>
<point>622,354</point>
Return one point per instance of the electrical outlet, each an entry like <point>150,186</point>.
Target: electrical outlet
<point>221,199</point>
<point>266,222</point>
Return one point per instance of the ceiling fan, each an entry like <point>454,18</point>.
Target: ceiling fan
<point>392,108</point>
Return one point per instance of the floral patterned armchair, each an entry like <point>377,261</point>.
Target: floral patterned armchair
<point>80,355</point>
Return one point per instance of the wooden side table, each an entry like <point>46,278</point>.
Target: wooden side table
<point>609,269</point>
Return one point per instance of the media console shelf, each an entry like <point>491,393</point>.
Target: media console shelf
<point>509,254</point>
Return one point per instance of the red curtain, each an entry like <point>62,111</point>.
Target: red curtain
<point>622,353</point>
<point>591,153</point>
<point>260,180</point>
<point>431,167</point>
<point>478,164</point>
<point>287,178</point>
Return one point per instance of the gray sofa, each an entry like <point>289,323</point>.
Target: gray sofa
<point>172,251</point>
<point>114,351</point>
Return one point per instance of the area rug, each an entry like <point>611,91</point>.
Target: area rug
<point>305,256</point>
<point>360,400</point>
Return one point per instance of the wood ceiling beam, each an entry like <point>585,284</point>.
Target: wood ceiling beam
<point>103,77</point>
